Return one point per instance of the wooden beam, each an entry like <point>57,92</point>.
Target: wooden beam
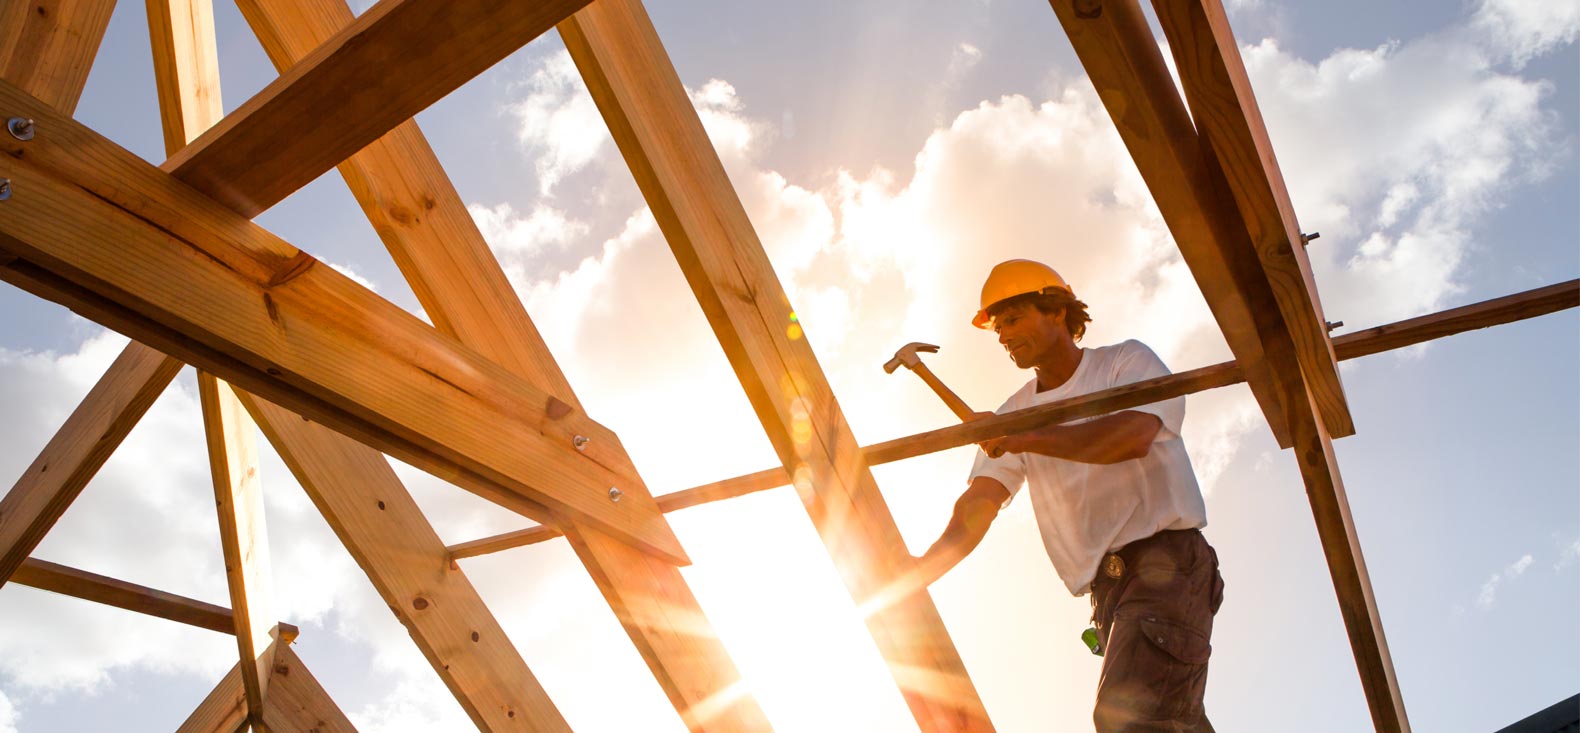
<point>1498,311</point>
<point>186,73</point>
<point>186,69</point>
<point>238,495</point>
<point>68,581</point>
<point>201,283</point>
<point>47,46</point>
<point>1495,312</point>
<point>77,451</point>
<point>1319,469</point>
<point>355,489</point>
<point>636,88</point>
<point>391,63</point>
<point>1230,124</point>
<point>1126,67</point>
<point>433,238</point>
<point>297,702</point>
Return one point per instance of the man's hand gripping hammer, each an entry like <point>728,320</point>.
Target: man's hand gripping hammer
<point>907,357</point>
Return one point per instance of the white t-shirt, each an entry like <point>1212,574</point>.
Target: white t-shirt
<point>1085,510</point>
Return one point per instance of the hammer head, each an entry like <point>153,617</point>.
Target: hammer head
<point>907,357</point>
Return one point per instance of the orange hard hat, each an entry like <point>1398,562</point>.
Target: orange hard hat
<point>1016,277</point>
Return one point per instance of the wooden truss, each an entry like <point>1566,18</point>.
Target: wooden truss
<point>334,375</point>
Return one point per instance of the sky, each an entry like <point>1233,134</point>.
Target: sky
<point>889,152</point>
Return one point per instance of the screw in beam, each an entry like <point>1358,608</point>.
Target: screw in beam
<point>21,128</point>
<point>1306,239</point>
<point>5,189</point>
<point>1335,325</point>
<point>615,494</point>
<point>581,442</point>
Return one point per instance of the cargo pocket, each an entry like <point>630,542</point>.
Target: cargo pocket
<point>1177,640</point>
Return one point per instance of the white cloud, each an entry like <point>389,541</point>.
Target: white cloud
<point>1396,154</point>
<point>557,121</point>
<point>9,717</point>
<point>348,272</point>
<point>1519,30</point>
<point>1489,589</point>
<point>1568,556</point>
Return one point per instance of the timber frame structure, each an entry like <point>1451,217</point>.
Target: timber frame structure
<point>334,375</point>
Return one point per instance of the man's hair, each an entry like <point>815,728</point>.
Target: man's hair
<point>1048,301</point>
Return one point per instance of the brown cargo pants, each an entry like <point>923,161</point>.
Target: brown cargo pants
<point>1153,602</point>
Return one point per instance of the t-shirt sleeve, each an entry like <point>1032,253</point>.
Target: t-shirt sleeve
<point>1137,363</point>
<point>1008,469</point>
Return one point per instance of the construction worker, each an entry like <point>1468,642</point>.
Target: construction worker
<point>1116,501</point>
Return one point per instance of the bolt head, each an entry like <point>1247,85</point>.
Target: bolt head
<point>5,189</point>
<point>615,494</point>
<point>580,442</point>
<point>20,128</point>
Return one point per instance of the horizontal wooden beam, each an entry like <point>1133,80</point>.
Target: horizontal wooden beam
<point>1224,109</point>
<point>199,282</point>
<point>1398,335</point>
<point>69,581</point>
<point>391,63</point>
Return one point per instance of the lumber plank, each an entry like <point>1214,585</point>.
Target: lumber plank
<point>1126,67</point>
<point>641,98</point>
<point>1319,470</point>
<point>391,63</point>
<point>243,534</point>
<point>1228,119</point>
<point>79,449</point>
<point>47,46</point>
<point>186,73</point>
<point>1495,312</point>
<point>223,709</point>
<point>204,284</point>
<point>298,702</point>
<point>376,519</point>
<point>403,189</point>
<point>1397,335</point>
<point>69,581</point>
<point>186,69</point>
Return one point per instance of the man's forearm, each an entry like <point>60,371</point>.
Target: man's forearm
<point>1111,439</point>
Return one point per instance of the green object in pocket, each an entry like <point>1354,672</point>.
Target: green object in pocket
<point>1089,636</point>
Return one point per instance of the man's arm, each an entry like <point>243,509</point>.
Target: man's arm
<point>1121,436</point>
<point>975,511</point>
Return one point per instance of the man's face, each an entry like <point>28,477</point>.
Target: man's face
<point>1028,334</point>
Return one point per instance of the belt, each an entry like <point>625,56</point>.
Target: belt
<point>1114,564</point>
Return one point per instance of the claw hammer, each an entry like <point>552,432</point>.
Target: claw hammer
<point>907,357</point>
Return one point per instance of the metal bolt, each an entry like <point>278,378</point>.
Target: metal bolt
<point>615,494</point>
<point>1333,325</point>
<point>5,189</point>
<point>21,128</point>
<point>581,442</point>
<point>1306,239</point>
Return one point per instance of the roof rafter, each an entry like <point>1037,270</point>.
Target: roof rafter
<point>196,280</point>
<point>636,88</point>
<point>389,64</point>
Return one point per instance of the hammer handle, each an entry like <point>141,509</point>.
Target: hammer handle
<point>959,406</point>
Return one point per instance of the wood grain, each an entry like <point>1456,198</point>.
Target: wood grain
<point>1224,109</point>
<point>386,66</point>
<point>376,519</point>
<point>635,87</point>
<point>47,46</point>
<point>200,282</point>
